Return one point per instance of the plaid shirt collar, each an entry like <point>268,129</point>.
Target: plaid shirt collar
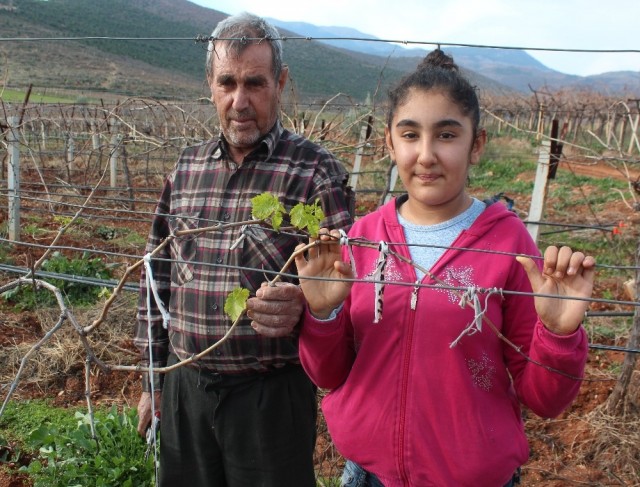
<point>265,146</point>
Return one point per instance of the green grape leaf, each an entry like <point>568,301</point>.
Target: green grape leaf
<point>236,303</point>
<point>266,206</point>
<point>307,216</point>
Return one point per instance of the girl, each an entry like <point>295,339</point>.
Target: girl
<point>423,391</point>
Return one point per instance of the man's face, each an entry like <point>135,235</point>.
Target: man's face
<point>246,95</point>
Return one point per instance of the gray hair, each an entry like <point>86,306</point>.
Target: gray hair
<point>238,28</point>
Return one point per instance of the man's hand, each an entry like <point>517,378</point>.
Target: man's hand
<point>276,310</point>
<point>144,411</point>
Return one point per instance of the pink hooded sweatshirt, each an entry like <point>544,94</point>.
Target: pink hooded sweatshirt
<point>408,406</point>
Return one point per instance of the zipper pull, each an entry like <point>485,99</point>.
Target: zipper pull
<point>414,296</point>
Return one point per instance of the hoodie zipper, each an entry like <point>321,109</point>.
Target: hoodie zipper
<point>404,385</point>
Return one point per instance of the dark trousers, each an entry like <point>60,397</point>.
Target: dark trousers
<point>228,431</point>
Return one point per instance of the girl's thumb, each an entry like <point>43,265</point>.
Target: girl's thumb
<point>532,270</point>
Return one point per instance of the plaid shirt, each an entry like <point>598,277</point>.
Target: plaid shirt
<point>195,274</point>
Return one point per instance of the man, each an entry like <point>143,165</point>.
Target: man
<point>245,414</point>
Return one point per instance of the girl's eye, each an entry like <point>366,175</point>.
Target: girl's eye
<point>447,135</point>
<point>408,135</point>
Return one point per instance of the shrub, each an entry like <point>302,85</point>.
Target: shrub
<point>76,293</point>
<point>71,457</point>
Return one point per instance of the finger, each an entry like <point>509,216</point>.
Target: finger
<point>299,248</point>
<point>589,261</point>
<point>275,311</point>
<point>270,321</point>
<point>281,291</point>
<point>589,272</point>
<point>533,273</point>
<point>550,260</point>
<point>143,424</point>
<point>300,262</point>
<point>344,269</point>
<point>562,262</point>
<point>324,234</point>
<point>271,332</point>
<point>575,263</point>
<point>144,420</point>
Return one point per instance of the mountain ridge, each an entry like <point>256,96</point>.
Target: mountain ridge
<point>173,68</point>
<point>514,68</point>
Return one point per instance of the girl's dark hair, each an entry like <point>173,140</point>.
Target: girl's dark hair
<point>438,71</point>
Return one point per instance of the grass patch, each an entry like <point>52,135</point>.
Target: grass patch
<point>21,418</point>
<point>121,237</point>
<point>17,96</point>
<point>503,175</point>
<point>6,256</point>
<point>609,329</point>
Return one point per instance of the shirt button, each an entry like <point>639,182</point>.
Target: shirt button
<point>214,307</point>
<point>227,216</point>
<point>218,353</point>
<point>219,260</point>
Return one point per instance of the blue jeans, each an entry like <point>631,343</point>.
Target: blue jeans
<point>355,476</point>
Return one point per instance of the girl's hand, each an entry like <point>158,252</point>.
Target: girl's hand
<point>565,273</point>
<point>324,261</point>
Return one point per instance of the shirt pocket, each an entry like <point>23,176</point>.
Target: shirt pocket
<point>265,250</point>
<point>184,248</point>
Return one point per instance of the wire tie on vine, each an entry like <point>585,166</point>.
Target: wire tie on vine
<point>378,277</point>
<point>471,296</point>
<point>344,241</point>
<point>151,284</point>
<point>241,238</point>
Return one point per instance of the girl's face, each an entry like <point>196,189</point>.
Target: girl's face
<point>433,145</point>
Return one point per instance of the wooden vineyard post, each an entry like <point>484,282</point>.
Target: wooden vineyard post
<point>95,137</point>
<point>539,191</point>
<point>13,174</point>
<point>556,146</point>
<point>113,154</point>
<point>634,127</point>
<point>392,179</point>
<point>71,148</point>
<point>353,180</point>
<point>540,126</point>
<point>616,400</point>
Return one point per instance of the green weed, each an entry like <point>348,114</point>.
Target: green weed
<point>328,482</point>
<point>76,293</point>
<point>72,457</point>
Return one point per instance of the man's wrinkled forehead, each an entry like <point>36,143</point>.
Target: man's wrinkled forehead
<point>234,48</point>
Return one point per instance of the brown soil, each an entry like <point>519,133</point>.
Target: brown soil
<point>556,445</point>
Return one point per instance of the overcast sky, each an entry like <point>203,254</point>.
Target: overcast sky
<point>564,24</point>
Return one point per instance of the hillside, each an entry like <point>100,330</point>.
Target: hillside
<point>136,64</point>
<point>160,68</point>
<point>171,68</point>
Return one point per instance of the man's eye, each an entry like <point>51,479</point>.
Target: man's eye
<point>408,135</point>
<point>447,135</point>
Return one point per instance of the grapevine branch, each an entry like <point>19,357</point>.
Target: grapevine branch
<point>269,212</point>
